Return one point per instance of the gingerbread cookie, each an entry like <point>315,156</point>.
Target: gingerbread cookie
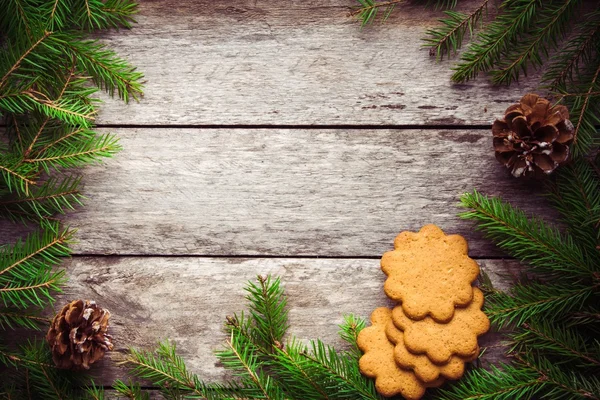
<point>422,366</point>
<point>430,273</point>
<point>441,341</point>
<point>378,361</point>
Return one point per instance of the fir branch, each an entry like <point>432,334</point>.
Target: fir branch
<point>268,309</point>
<point>72,110</point>
<point>576,195</point>
<point>45,380</point>
<point>158,370</point>
<point>107,70</point>
<point>349,331</point>
<point>498,36</point>
<point>340,373</point>
<point>368,10</point>
<point>56,13</point>
<point>578,50</point>
<point>553,21</point>
<point>52,197</point>
<point>23,57</point>
<point>241,357</point>
<point>78,151</point>
<point>561,384</point>
<point>103,15</point>
<point>93,392</point>
<point>132,391</point>
<point>531,299</point>
<point>295,373</point>
<point>529,239</point>
<point>564,344</point>
<point>581,123</point>
<point>449,36</point>
<point>508,383</point>
<point>16,176</point>
<point>14,319</point>
<point>26,278</point>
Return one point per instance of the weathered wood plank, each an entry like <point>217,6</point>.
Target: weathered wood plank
<point>186,299</point>
<point>265,62</point>
<point>286,192</point>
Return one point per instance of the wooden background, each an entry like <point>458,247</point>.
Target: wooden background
<point>277,137</point>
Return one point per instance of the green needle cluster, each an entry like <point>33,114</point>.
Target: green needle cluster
<point>49,73</point>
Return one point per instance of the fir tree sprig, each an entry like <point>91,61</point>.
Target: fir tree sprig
<point>530,239</point>
<point>27,277</point>
<point>264,370</point>
<point>551,24</point>
<point>369,9</point>
<point>49,72</point>
<point>551,316</point>
<point>449,36</point>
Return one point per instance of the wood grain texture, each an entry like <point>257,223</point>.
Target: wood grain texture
<point>343,193</point>
<point>294,62</point>
<point>185,299</point>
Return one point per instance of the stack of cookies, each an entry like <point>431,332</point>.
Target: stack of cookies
<point>427,338</point>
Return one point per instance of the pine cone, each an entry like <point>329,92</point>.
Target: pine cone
<point>533,138</point>
<point>78,335</point>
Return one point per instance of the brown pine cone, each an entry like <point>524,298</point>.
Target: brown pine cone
<point>533,138</point>
<point>78,335</point>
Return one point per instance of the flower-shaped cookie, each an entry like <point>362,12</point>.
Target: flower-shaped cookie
<point>424,369</point>
<point>441,341</point>
<point>378,361</point>
<point>429,273</point>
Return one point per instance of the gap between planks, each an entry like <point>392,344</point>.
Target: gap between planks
<point>298,126</point>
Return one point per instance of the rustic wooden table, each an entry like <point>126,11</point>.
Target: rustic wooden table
<point>276,138</point>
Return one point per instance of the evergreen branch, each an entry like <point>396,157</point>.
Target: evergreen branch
<point>167,370</point>
<point>46,381</point>
<point>24,18</point>
<point>157,370</point>
<point>449,36</point>
<point>77,152</point>
<point>530,240</point>
<point>26,278</point>
<point>55,21</point>
<point>11,320</point>
<point>531,299</point>
<point>16,176</point>
<point>109,14</point>
<point>349,331</point>
<point>71,110</point>
<point>496,39</point>
<point>576,195</point>
<point>564,384</point>
<point>48,199</point>
<point>342,374</point>
<point>367,13</point>
<point>566,344</point>
<point>241,358</point>
<point>44,246</point>
<point>268,309</point>
<point>294,373</point>
<point>93,392</point>
<point>71,133</point>
<point>36,137</point>
<point>132,391</point>
<point>18,62</point>
<point>579,49</point>
<point>107,70</point>
<point>68,79</point>
<point>584,108</point>
<point>553,24</point>
<point>510,382</point>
